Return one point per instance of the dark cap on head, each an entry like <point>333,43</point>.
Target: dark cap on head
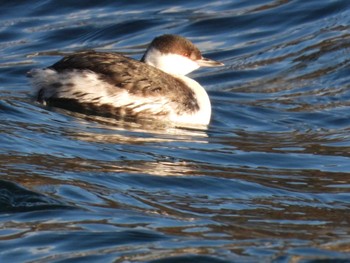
<point>177,45</point>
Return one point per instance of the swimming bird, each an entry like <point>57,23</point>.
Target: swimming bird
<point>113,85</point>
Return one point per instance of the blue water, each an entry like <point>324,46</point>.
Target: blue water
<point>268,181</point>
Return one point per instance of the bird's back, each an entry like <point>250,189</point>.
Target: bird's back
<point>114,83</point>
<point>126,73</point>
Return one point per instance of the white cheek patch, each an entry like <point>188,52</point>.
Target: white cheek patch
<point>170,63</point>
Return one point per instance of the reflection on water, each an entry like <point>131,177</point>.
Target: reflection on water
<point>267,181</point>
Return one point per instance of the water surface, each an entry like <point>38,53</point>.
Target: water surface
<point>268,181</point>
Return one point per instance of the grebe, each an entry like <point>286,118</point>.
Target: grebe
<point>114,85</point>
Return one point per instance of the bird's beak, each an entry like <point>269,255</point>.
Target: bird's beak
<point>206,62</point>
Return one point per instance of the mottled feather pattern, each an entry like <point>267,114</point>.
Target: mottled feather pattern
<point>137,78</point>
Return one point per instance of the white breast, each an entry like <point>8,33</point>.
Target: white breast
<point>170,63</point>
<point>203,115</point>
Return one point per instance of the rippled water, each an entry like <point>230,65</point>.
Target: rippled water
<point>267,182</point>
